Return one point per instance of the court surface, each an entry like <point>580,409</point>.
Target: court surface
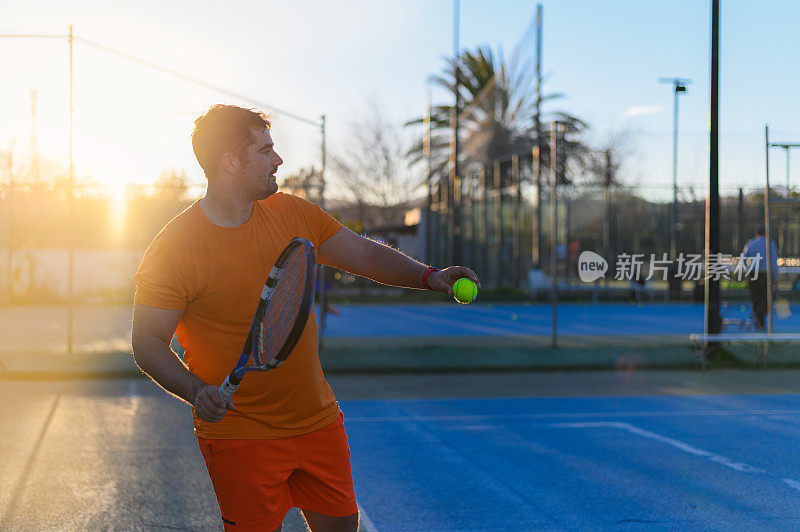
<point>718,462</point>
<point>107,329</point>
<point>514,451</point>
<point>573,319</point>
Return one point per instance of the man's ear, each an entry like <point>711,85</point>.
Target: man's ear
<point>229,162</point>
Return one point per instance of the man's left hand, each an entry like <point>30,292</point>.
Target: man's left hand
<point>442,281</point>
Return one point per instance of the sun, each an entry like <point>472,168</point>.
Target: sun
<point>117,203</point>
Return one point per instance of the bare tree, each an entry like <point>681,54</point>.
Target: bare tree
<point>602,166</point>
<point>305,183</point>
<point>374,167</point>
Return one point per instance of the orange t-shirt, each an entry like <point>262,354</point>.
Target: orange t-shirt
<point>215,274</point>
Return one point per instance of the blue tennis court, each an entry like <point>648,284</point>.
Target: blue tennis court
<point>702,462</point>
<point>605,319</point>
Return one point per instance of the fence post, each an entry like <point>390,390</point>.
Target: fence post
<point>498,222</point>
<point>485,224</point>
<point>536,227</point>
<point>554,234</point>
<point>515,222</point>
<point>467,211</point>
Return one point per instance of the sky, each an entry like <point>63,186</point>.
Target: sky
<point>337,58</point>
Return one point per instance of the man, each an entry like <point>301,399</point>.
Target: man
<point>756,248</point>
<point>283,443</point>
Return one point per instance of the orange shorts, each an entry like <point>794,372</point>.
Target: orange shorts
<point>258,481</point>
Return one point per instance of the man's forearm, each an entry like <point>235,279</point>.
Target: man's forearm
<point>160,363</point>
<point>387,265</point>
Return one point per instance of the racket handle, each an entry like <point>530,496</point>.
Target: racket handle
<point>228,387</point>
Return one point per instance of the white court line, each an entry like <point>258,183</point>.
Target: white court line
<point>695,384</point>
<point>365,524</point>
<point>682,446</point>
<point>493,315</point>
<point>575,415</point>
<point>719,459</point>
<point>454,323</point>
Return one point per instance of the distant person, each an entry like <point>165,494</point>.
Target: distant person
<point>638,287</point>
<point>756,248</point>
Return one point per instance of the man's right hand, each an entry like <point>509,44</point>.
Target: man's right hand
<point>209,404</point>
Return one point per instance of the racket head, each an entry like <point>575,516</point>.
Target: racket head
<point>283,308</point>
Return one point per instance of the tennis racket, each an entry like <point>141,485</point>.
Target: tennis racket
<point>281,315</point>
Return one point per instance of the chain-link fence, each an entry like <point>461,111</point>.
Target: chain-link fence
<point>504,231</point>
<point>95,158</point>
<point>502,217</point>
<point>652,236</point>
<point>107,239</point>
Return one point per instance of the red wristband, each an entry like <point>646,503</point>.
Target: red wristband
<point>425,274</point>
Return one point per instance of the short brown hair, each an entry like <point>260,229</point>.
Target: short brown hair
<point>225,129</point>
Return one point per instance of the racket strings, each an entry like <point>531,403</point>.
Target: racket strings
<point>282,309</point>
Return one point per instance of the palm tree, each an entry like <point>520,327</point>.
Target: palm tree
<point>497,114</point>
<point>498,119</point>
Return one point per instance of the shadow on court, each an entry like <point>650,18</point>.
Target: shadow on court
<point>120,453</point>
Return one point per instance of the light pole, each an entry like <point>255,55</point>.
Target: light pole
<point>679,85</point>
<point>787,147</point>
<point>429,203</point>
<point>453,199</point>
<point>554,153</point>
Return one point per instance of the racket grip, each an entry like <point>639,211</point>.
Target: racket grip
<point>228,387</point>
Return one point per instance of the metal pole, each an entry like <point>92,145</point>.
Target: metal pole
<point>324,162</point>
<point>678,86</point>
<point>10,259</point>
<point>322,274</point>
<point>35,173</point>
<point>497,237</point>
<point>474,223</point>
<point>537,161</point>
<point>788,147</point>
<point>673,222</point>
<point>443,226</point>
<point>712,295</point>
<point>485,247</point>
<point>429,210</point>
<point>787,171</point>
<point>455,241</point>
<point>468,215</point>
<point>740,220</point>
<point>536,232</point>
<point>71,201</point>
<point>516,268</point>
<point>767,233</point>
<point>458,195</point>
<point>553,234</point>
<point>606,206</point>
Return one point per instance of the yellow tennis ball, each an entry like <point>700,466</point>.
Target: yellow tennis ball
<point>464,290</point>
